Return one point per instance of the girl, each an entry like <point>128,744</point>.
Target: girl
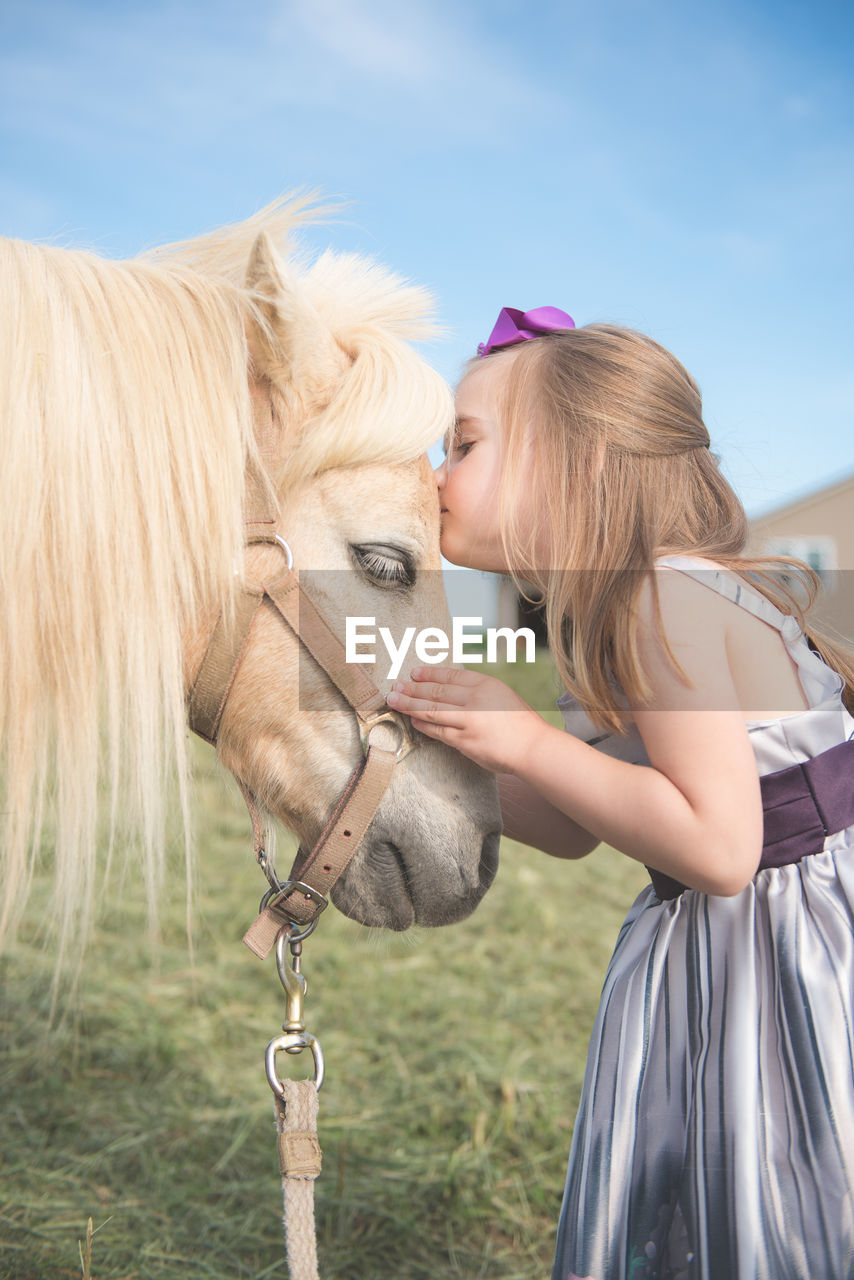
<point>708,738</point>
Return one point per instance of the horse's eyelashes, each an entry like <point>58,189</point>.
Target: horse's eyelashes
<point>389,567</point>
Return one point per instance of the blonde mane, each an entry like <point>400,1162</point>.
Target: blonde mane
<point>126,427</point>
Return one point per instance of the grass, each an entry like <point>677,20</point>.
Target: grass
<point>454,1063</point>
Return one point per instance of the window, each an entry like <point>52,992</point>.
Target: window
<point>815,550</point>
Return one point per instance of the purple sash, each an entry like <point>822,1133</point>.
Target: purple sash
<point>802,806</point>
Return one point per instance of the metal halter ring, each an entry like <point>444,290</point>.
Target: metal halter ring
<point>407,742</point>
<point>289,555</point>
<point>255,538</point>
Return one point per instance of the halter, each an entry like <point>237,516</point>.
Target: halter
<point>299,899</point>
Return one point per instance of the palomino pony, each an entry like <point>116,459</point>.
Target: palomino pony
<point>126,436</point>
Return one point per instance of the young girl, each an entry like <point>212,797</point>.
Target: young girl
<point>708,739</point>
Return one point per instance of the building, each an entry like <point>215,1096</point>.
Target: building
<point>819,529</point>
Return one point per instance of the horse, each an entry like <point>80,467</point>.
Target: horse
<point>128,434</point>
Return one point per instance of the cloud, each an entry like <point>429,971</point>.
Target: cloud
<point>82,72</point>
<point>437,58</point>
<point>382,40</point>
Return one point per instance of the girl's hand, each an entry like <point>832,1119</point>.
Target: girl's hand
<point>476,714</point>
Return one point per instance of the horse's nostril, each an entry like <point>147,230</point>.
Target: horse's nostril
<point>387,864</point>
<point>489,859</point>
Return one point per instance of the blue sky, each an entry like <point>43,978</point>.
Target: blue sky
<point>683,168</point>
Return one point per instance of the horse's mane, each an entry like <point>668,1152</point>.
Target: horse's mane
<point>125,429</point>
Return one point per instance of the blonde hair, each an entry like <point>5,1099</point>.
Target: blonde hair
<point>610,427</point>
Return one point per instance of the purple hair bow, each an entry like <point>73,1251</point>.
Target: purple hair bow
<point>514,326</point>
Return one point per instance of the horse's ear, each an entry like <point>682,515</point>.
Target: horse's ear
<point>288,340</point>
<point>265,277</point>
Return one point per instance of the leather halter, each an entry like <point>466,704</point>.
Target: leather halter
<point>304,895</point>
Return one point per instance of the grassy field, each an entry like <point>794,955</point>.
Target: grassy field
<point>454,1062</point>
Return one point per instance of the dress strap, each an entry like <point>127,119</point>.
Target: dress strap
<point>818,680</point>
<point>727,583</point>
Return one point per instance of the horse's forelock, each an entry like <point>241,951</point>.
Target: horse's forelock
<point>386,405</point>
<point>381,402</point>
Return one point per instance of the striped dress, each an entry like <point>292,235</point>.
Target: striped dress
<point>715,1134</point>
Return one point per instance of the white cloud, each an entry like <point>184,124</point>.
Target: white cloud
<point>424,67</point>
<point>432,56</point>
<point>383,40</point>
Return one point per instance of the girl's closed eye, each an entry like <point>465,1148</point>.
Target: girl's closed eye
<point>454,446</point>
<point>460,448</point>
<point>458,442</point>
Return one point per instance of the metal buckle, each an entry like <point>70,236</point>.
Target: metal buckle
<point>407,742</point>
<point>274,896</point>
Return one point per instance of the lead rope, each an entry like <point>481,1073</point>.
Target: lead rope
<point>299,1162</point>
<point>296,1112</point>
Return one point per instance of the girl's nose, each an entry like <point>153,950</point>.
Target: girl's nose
<point>441,474</point>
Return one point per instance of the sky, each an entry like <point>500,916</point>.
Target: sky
<point>686,169</point>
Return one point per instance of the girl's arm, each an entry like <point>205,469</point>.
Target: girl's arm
<point>696,814</point>
<point>530,819</point>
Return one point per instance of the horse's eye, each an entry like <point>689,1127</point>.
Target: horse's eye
<point>387,567</point>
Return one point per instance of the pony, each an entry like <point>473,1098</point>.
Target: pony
<point>126,439</point>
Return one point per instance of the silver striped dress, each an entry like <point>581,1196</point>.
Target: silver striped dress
<point>715,1134</point>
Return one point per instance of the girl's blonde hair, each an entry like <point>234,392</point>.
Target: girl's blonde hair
<point>607,427</point>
